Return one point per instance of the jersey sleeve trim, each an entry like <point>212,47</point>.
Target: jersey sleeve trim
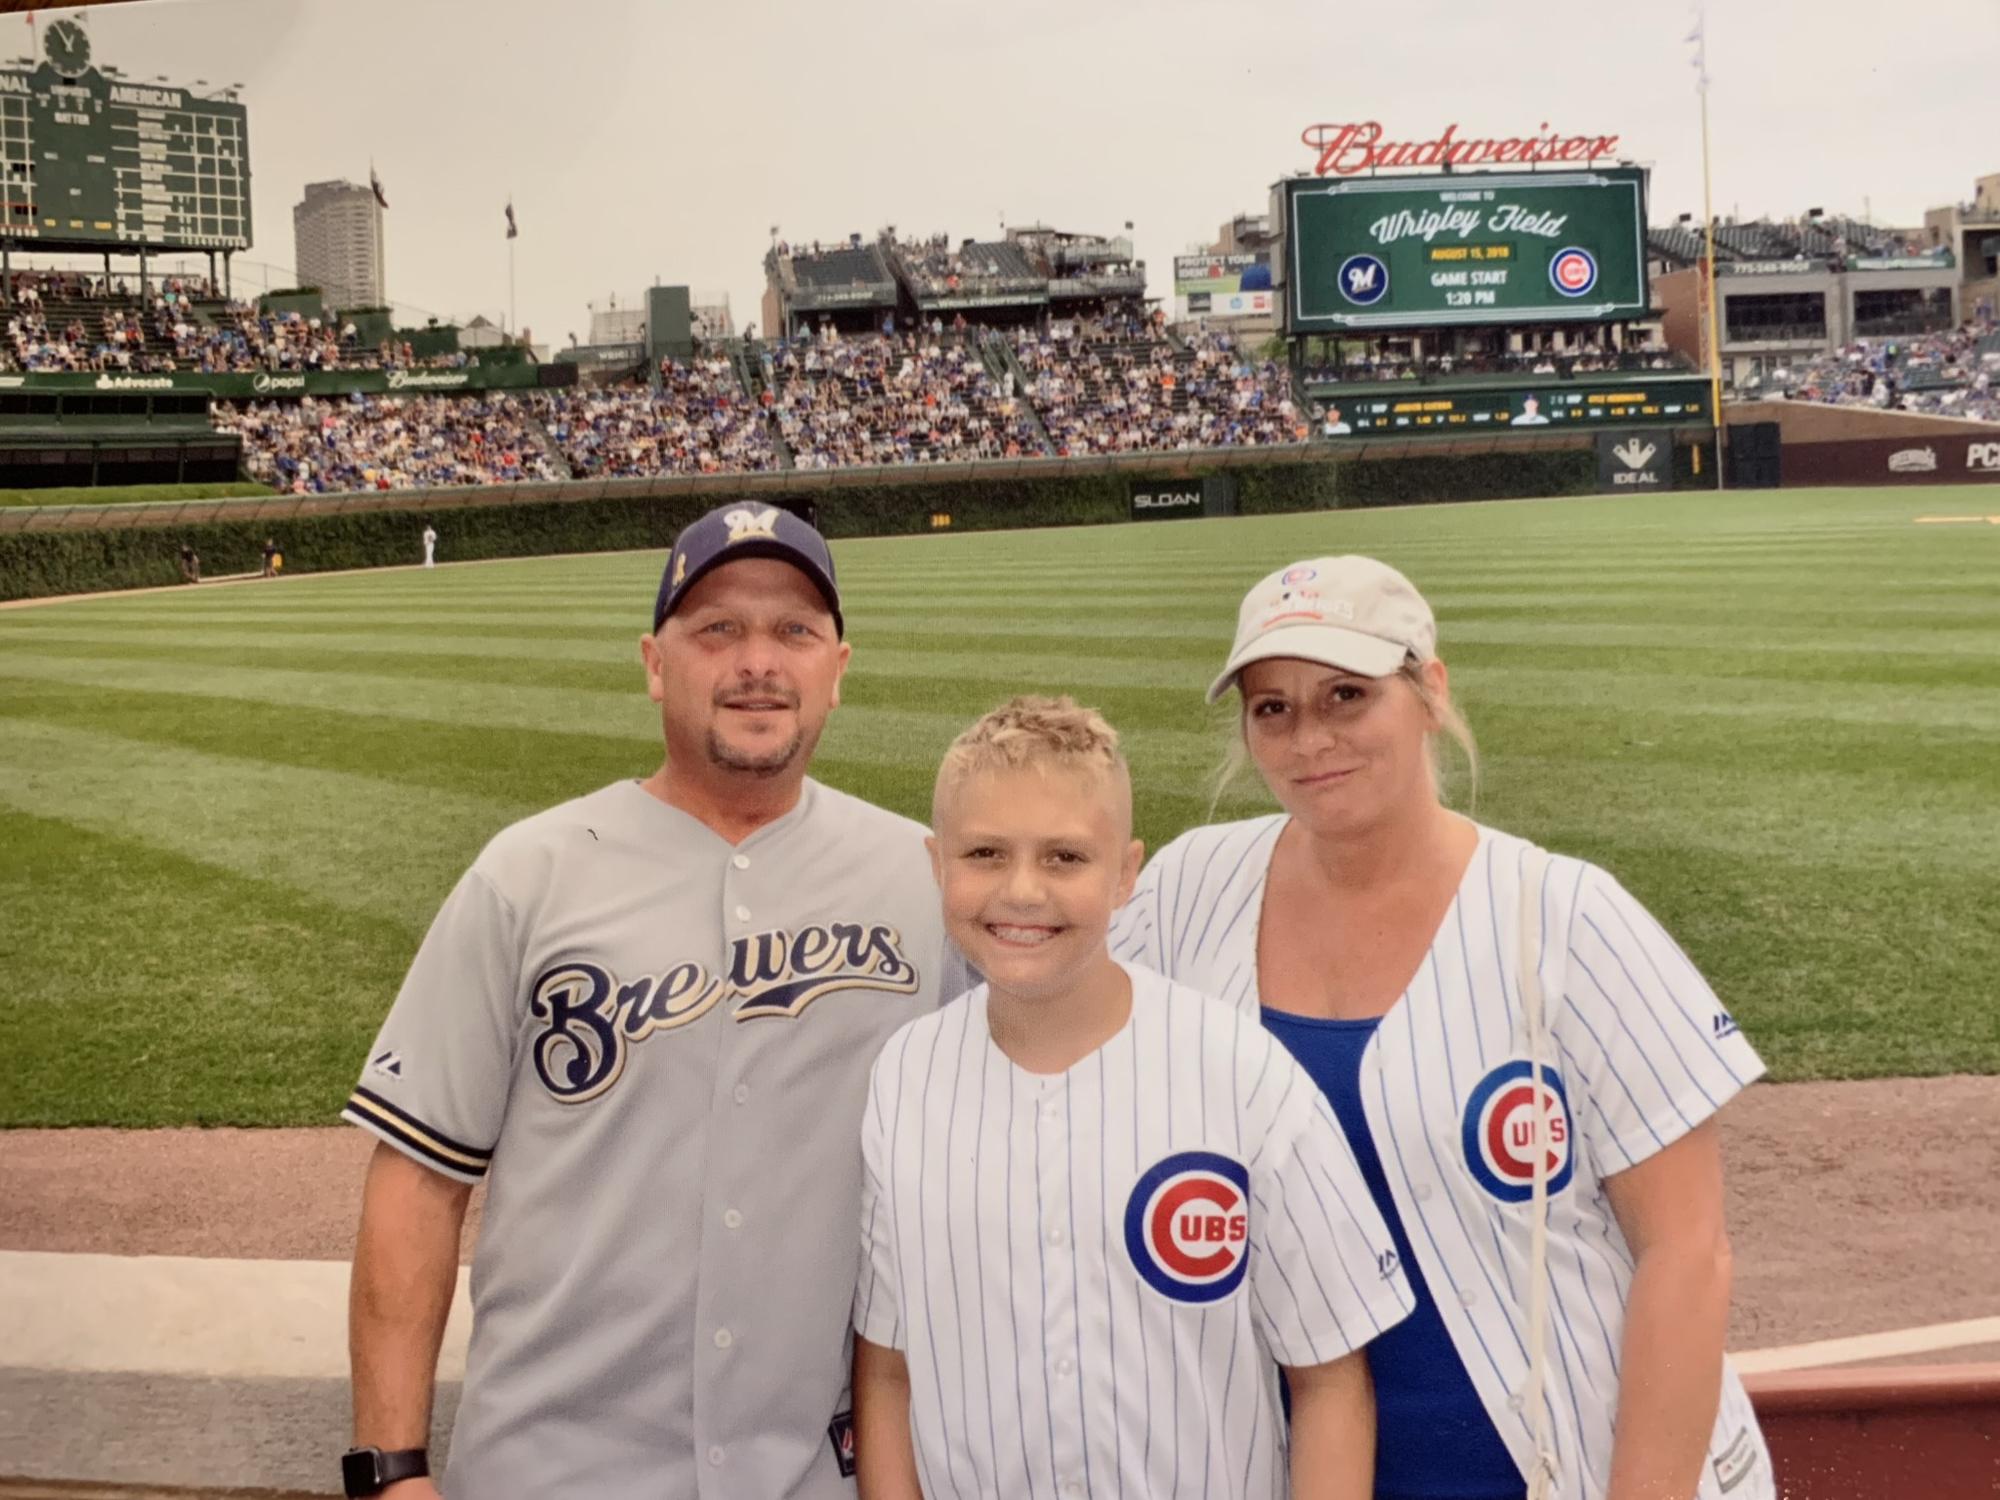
<point>373,1113</point>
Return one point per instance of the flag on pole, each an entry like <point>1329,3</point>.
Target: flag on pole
<point>1698,39</point>
<point>513,230</point>
<point>375,186</point>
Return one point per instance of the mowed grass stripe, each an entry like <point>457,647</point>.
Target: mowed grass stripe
<point>1767,714</point>
<point>356,842</point>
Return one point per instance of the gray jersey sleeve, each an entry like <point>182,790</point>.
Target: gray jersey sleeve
<point>1324,1275</point>
<point>435,1084</point>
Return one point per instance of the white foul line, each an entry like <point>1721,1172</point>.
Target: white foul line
<point>1932,1338</point>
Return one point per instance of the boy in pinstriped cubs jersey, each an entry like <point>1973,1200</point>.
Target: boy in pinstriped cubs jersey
<point>1099,1209</point>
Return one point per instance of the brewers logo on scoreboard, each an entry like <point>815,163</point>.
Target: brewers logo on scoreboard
<point>1378,253</point>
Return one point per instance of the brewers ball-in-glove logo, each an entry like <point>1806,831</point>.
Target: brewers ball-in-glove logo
<point>1503,1123</point>
<point>1364,279</point>
<point>1187,1226</point>
<point>1573,271</point>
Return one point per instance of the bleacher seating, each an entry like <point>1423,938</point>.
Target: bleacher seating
<point>876,399</point>
<point>698,420</point>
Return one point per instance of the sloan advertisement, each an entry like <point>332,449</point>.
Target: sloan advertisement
<point>1953,459</point>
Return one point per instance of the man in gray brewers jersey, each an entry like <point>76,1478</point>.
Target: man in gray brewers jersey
<point>645,1018</point>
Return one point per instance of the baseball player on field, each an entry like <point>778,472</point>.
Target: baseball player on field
<point>645,1020</point>
<point>1524,1062</point>
<point>1100,1208</point>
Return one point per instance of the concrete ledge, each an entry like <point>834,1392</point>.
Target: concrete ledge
<point>167,1371</point>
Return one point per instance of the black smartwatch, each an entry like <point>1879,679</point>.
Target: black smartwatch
<point>369,1471</point>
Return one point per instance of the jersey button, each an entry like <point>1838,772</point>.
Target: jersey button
<point>1065,1365</point>
<point>723,1338</point>
<point>742,913</point>
<point>715,1457</point>
<point>741,1093</point>
<point>1056,1235</point>
<point>742,861</point>
<point>1467,1296</point>
<point>1422,1192</point>
<point>731,1219</point>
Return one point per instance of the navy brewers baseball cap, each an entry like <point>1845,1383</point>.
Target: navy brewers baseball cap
<point>730,533</point>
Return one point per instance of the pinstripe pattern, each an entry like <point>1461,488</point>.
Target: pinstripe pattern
<point>1123,1390</point>
<point>1641,1042</point>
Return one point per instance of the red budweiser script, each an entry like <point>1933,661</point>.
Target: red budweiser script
<point>1347,149</point>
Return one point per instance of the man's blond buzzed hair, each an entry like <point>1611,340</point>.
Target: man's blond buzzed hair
<point>1031,732</point>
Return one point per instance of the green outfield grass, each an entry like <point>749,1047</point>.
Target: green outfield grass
<point>226,814</point>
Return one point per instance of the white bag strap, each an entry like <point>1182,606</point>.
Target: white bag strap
<point>1534,872</point>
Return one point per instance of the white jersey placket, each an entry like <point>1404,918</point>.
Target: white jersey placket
<point>1056,1148</point>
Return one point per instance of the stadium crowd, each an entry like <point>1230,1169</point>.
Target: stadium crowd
<point>698,421</point>
<point>1954,374</point>
<point>891,399</point>
<point>362,442</point>
<point>1142,394</point>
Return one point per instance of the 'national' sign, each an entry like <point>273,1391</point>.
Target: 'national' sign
<point>1344,150</point>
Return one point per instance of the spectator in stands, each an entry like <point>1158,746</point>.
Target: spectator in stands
<point>697,421</point>
<point>362,442</point>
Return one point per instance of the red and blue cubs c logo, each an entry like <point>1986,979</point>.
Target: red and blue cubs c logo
<point>1503,1125</point>
<point>1187,1226</point>
<point>1573,271</point>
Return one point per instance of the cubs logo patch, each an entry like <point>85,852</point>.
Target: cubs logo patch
<point>1573,271</point>
<point>1303,573</point>
<point>1507,1118</point>
<point>1187,1226</point>
<point>1364,280</point>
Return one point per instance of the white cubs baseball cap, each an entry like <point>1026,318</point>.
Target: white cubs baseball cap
<point>1353,613</point>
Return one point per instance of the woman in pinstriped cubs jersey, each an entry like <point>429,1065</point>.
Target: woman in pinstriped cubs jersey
<point>1099,1208</point>
<point>1400,952</point>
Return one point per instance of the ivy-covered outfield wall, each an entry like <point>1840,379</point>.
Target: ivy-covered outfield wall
<point>82,558</point>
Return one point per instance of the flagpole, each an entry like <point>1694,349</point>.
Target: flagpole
<point>1708,229</point>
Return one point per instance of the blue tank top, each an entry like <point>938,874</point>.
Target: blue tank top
<point>1434,1439</point>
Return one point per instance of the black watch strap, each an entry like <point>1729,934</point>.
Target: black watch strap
<point>369,1471</point>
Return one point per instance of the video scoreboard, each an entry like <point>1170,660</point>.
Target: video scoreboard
<point>1372,254</point>
<point>1526,408</point>
<point>93,159</point>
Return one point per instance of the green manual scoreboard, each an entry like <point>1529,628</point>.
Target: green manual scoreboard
<point>91,159</point>
<point>1372,254</point>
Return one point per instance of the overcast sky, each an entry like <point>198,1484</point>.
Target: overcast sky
<point>648,140</point>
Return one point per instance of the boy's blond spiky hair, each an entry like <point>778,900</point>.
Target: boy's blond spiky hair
<point>1036,732</point>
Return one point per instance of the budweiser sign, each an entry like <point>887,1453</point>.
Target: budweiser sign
<point>1344,150</point>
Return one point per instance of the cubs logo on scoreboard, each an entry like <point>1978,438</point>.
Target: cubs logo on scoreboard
<point>1187,1226</point>
<point>1573,271</point>
<point>1508,1118</point>
<point>1364,280</point>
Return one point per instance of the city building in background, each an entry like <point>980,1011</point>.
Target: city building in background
<point>337,236</point>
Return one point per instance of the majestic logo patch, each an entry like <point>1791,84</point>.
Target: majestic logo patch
<point>840,1433</point>
<point>1573,271</point>
<point>589,1017</point>
<point>1187,1226</point>
<point>389,1064</point>
<point>1723,1024</point>
<point>1506,1120</point>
